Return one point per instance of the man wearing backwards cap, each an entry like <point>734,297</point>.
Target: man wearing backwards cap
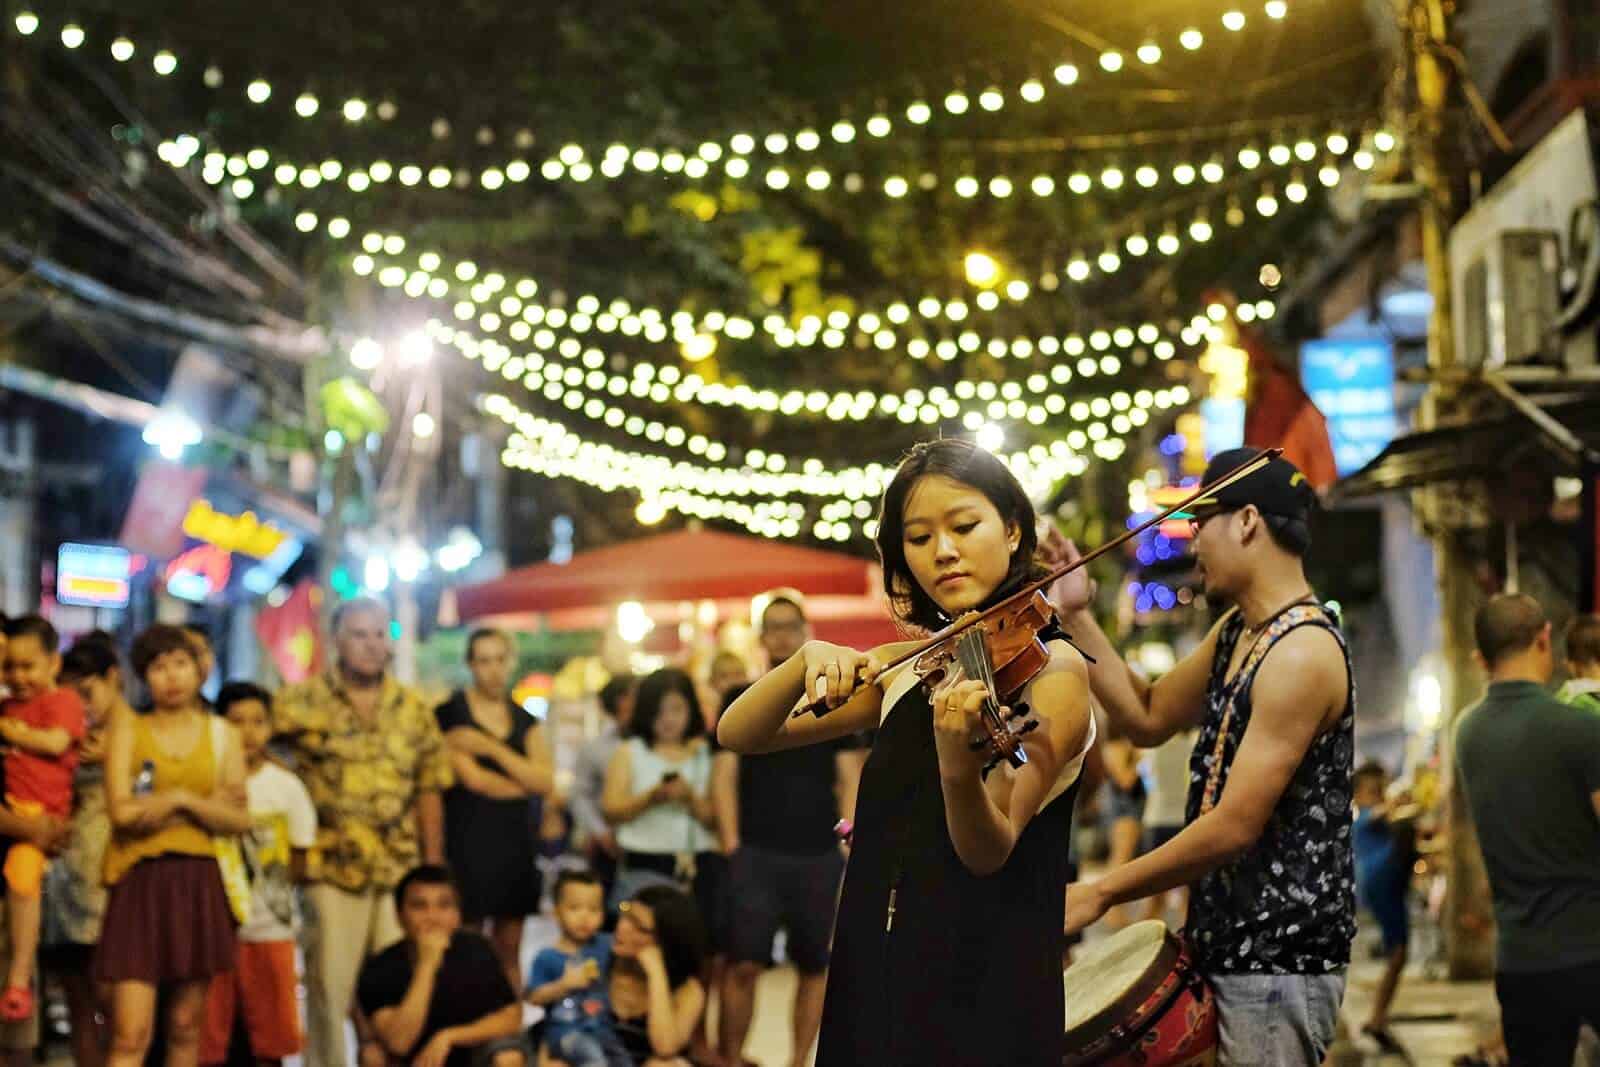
<point>1267,843</point>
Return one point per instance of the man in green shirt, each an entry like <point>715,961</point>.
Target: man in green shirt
<point>1583,664</point>
<point>1529,767</point>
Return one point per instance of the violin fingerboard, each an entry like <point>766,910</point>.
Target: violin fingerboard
<point>974,656</point>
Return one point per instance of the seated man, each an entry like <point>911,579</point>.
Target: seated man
<point>439,998</point>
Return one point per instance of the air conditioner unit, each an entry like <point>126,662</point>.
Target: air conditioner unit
<point>1507,251</point>
<point>1511,298</point>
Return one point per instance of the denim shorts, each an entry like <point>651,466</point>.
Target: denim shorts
<point>1277,1020</point>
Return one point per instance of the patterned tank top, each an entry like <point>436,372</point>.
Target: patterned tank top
<point>1287,906</point>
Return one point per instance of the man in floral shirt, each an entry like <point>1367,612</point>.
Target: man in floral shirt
<point>370,753</point>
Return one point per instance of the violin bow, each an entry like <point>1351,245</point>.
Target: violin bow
<point>1242,471</point>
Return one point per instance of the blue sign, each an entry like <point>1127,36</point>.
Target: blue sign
<point>1224,423</point>
<point>93,576</point>
<point>1352,384</point>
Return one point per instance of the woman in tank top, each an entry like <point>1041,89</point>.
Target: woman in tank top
<point>174,778</point>
<point>948,943</point>
<point>658,793</point>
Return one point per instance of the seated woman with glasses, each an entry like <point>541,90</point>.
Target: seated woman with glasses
<point>656,994</point>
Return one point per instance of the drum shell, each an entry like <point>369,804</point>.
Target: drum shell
<point>1167,1018</point>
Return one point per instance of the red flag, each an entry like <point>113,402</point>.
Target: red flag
<point>291,635</point>
<point>1279,413</point>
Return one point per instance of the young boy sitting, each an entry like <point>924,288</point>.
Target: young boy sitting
<point>1582,688</point>
<point>568,980</point>
<point>42,726</point>
<point>261,989</point>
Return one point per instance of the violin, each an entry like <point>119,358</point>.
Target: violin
<point>1002,645</point>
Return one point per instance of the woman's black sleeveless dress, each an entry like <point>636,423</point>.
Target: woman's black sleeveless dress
<point>491,843</point>
<point>966,972</point>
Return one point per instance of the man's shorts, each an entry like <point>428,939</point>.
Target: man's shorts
<point>1385,898</point>
<point>1277,1020</point>
<point>772,890</point>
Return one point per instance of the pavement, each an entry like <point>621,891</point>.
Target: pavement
<point>1433,1018</point>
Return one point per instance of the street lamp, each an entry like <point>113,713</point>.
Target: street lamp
<point>408,560</point>
<point>416,348</point>
<point>170,432</point>
<point>366,354</point>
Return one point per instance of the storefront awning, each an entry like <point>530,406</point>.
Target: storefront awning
<point>1479,448</point>
<point>677,566</point>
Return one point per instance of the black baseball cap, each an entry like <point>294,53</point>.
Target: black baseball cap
<point>1279,488</point>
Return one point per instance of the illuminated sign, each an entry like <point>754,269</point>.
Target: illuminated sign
<point>93,576</point>
<point>199,574</point>
<point>233,533</point>
<point>1352,384</point>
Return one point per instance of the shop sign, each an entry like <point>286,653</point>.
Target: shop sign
<point>1352,384</point>
<point>93,576</point>
<point>199,574</point>
<point>233,533</point>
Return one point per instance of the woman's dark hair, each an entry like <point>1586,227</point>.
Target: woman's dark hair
<point>652,692</point>
<point>89,657</point>
<point>680,933</point>
<point>156,641</point>
<point>611,694</point>
<point>964,462</point>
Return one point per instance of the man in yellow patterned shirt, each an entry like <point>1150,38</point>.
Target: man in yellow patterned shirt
<point>370,753</point>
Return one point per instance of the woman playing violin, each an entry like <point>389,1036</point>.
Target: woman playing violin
<point>948,943</point>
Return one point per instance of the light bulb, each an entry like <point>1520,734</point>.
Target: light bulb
<point>1066,74</point>
<point>164,63</point>
<point>1191,39</point>
<point>1149,53</point>
<point>258,92</point>
<point>122,50</point>
<point>1111,62</point>
<point>305,105</point>
<point>1233,20</point>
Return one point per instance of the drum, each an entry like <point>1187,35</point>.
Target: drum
<point>1135,998</point>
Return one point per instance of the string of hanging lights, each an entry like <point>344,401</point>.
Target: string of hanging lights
<point>575,160</point>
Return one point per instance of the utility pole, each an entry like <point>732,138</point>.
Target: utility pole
<point>1468,919</point>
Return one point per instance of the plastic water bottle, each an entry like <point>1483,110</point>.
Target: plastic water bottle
<point>145,783</point>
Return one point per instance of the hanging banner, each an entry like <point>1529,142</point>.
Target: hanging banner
<point>291,633</point>
<point>154,524</point>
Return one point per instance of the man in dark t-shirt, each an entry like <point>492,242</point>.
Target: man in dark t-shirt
<point>439,998</point>
<point>1530,769</point>
<point>785,868</point>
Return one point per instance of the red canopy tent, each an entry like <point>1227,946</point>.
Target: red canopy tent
<point>843,595</point>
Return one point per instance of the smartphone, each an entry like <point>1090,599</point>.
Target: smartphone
<point>145,782</point>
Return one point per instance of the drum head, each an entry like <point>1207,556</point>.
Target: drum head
<point>1107,970</point>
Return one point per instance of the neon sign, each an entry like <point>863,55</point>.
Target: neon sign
<point>199,573</point>
<point>233,533</point>
<point>93,576</point>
